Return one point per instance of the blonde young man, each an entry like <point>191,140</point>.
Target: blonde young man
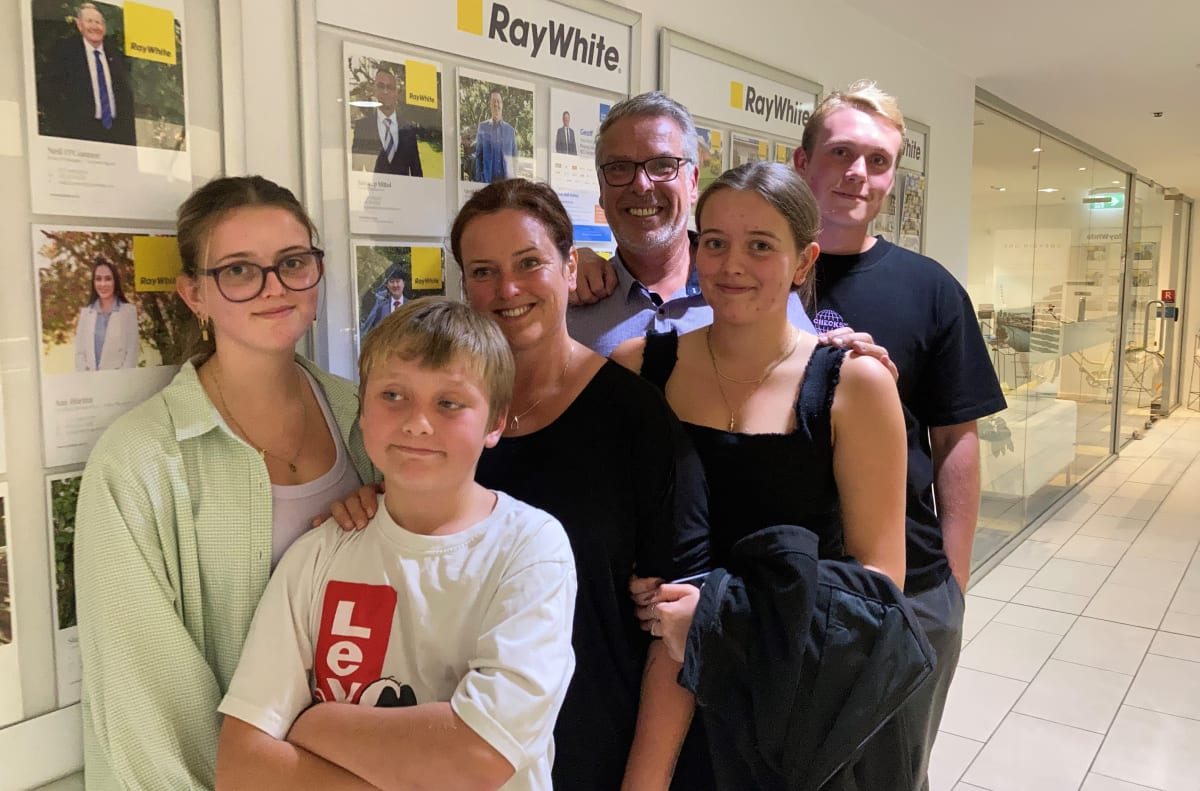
<point>915,309</point>
<point>432,649</point>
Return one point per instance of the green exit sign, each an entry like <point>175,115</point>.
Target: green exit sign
<point>1105,200</point>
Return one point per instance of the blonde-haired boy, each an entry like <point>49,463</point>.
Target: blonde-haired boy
<point>447,619</point>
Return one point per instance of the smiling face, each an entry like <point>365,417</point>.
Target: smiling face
<point>496,105</point>
<point>104,282</point>
<point>851,169</point>
<point>277,318</point>
<point>90,24</point>
<point>747,260</point>
<point>395,287</point>
<point>424,428</point>
<point>647,217</point>
<point>513,272</point>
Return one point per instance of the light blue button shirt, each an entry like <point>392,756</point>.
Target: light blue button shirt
<point>631,311</point>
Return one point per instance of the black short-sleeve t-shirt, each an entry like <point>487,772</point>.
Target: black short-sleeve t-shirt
<point>618,471</point>
<point>917,310</point>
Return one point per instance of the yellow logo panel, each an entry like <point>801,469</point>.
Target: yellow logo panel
<point>156,263</point>
<point>420,84</point>
<point>762,149</point>
<point>426,268</point>
<point>149,33</point>
<point>470,16</point>
<point>736,94</point>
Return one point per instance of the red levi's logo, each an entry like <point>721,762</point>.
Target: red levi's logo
<point>356,625</point>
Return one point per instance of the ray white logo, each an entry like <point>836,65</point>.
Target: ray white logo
<point>912,149</point>
<point>548,38</point>
<point>769,107</point>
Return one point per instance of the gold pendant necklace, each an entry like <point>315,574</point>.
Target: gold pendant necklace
<point>262,451</point>
<point>514,422</point>
<point>758,382</point>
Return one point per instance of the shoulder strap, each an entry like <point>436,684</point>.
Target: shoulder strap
<point>815,403</point>
<point>658,360</point>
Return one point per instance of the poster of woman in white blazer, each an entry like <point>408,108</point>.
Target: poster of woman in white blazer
<point>106,336</point>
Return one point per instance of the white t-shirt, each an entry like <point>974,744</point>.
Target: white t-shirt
<point>481,618</point>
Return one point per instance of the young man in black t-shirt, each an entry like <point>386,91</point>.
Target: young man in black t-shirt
<point>919,312</point>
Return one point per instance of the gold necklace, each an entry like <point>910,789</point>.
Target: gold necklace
<point>770,369</point>
<point>514,422</point>
<point>263,452</point>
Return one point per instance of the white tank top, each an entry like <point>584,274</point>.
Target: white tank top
<point>293,507</point>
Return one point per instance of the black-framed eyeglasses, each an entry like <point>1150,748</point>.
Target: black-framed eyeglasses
<point>622,172</point>
<point>242,281</point>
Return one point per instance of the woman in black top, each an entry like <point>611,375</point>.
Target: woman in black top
<point>598,448</point>
<point>788,432</point>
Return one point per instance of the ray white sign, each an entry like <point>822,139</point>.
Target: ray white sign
<point>537,36</point>
<point>722,92</point>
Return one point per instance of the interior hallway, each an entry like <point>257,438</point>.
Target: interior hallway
<point>1081,661</point>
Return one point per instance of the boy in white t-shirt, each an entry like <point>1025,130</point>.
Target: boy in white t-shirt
<point>447,620</point>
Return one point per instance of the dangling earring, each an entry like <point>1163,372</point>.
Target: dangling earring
<point>204,329</point>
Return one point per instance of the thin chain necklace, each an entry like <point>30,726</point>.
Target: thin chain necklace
<point>262,451</point>
<point>770,369</point>
<point>514,422</point>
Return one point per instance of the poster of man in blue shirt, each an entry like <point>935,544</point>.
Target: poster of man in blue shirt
<point>496,123</point>
<point>495,144</point>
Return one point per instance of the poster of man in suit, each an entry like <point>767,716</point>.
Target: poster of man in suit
<point>564,138</point>
<point>395,161</point>
<point>108,131</point>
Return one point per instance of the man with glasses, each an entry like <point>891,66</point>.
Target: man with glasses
<point>646,154</point>
<point>388,147</point>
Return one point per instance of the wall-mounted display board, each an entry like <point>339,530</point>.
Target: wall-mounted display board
<point>10,675</point>
<point>486,90</point>
<point>902,219</point>
<point>112,330</point>
<point>745,111</point>
<point>107,126</point>
<point>62,492</point>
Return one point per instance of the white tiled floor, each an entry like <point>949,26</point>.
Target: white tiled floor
<point>1081,670</point>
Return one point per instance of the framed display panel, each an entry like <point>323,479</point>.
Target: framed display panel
<point>10,667</point>
<point>544,59</point>
<point>725,90</point>
<point>62,491</point>
<point>908,195</point>
<point>388,274</point>
<point>107,93</point>
<point>90,377</point>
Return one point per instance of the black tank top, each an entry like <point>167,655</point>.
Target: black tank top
<point>759,480</point>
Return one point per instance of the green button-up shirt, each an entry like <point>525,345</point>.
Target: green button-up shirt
<point>172,552</point>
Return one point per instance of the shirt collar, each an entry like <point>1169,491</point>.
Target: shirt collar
<point>194,414</point>
<point>627,283</point>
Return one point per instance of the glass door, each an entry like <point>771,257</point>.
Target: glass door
<point>1156,277</point>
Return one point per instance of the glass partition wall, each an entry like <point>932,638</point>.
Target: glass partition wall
<point>1045,273</point>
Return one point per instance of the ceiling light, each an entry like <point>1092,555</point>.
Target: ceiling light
<point>1117,182</point>
<point>1081,170</point>
<point>998,189</point>
<point>366,103</point>
<point>1048,189</point>
<point>1037,150</point>
<point>1157,114</point>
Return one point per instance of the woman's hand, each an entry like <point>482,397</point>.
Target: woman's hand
<point>860,343</point>
<point>665,610</point>
<point>355,511</point>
